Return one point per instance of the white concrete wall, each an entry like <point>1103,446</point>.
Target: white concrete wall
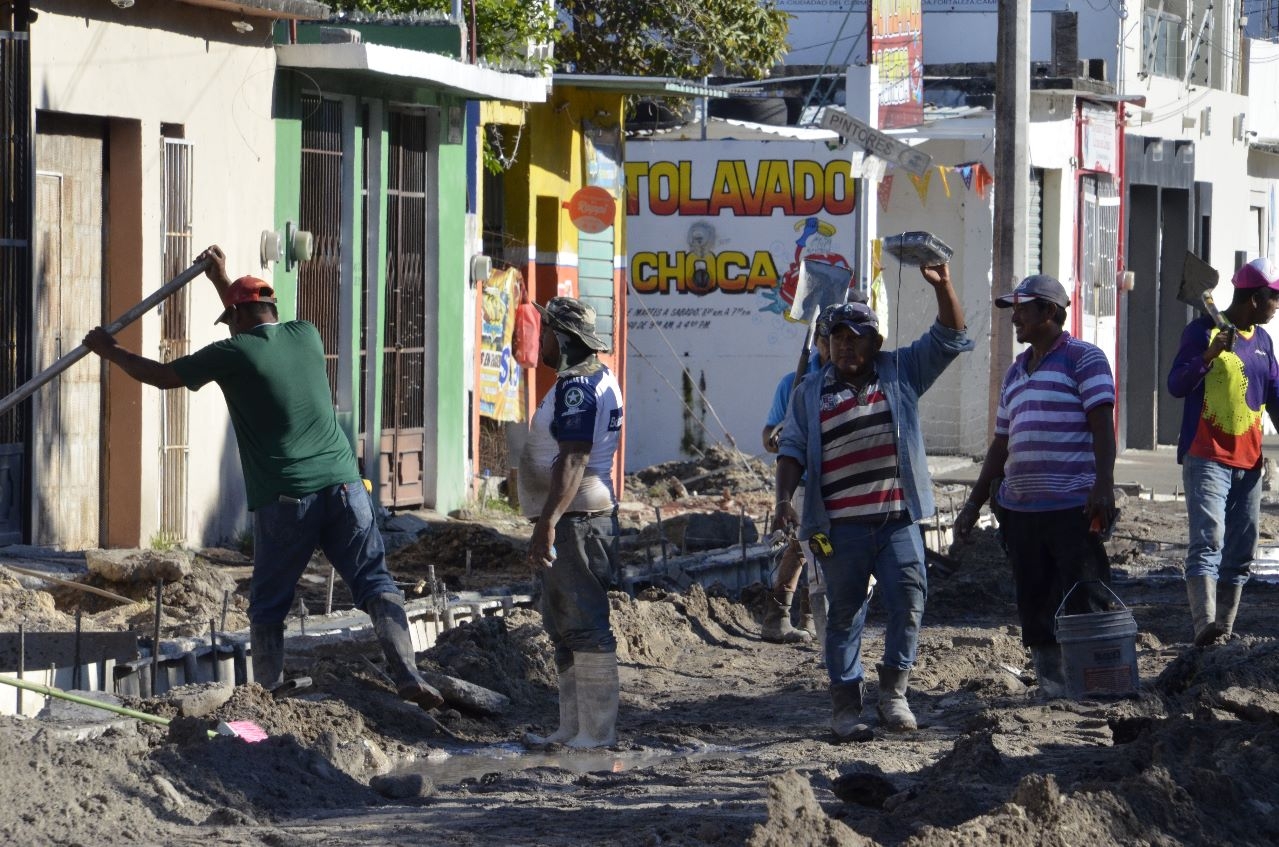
<point>217,85</point>
<point>953,412</point>
<point>1205,116</point>
<point>1263,90</point>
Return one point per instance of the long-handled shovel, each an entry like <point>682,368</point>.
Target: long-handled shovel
<point>1198,279</point>
<point>32,385</point>
<point>247,730</point>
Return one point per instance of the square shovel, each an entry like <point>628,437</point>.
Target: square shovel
<point>1198,279</point>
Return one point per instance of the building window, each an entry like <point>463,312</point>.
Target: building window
<point>1163,45</point>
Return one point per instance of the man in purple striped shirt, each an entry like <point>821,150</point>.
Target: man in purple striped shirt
<point>1053,456</point>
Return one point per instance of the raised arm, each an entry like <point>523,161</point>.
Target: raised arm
<point>949,310</point>
<point>217,269</point>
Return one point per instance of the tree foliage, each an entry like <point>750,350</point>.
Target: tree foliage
<point>680,38</point>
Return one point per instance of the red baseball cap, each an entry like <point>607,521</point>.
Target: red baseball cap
<point>246,289</point>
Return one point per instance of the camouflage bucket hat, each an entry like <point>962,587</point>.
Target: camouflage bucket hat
<point>575,317</point>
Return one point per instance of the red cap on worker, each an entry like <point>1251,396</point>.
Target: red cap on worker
<point>1259,273</point>
<point>246,289</point>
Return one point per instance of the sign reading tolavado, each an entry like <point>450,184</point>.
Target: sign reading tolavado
<point>875,142</point>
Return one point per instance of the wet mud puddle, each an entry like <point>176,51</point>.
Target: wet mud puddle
<point>456,766</point>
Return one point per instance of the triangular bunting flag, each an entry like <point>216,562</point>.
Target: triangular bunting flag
<point>941,171</point>
<point>966,174</point>
<point>984,180</point>
<point>921,184</point>
<point>885,191</point>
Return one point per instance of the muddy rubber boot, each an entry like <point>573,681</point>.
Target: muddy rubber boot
<point>1228,597</point>
<point>597,690</point>
<point>1049,672</point>
<point>267,642</point>
<point>391,625</point>
<point>1202,593</point>
<point>893,710</point>
<point>846,713</point>
<point>777,626</point>
<point>568,715</point>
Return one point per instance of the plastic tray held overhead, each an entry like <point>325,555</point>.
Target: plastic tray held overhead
<point>918,248</point>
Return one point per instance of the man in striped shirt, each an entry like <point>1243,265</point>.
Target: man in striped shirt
<point>1053,456</point>
<point>854,428</point>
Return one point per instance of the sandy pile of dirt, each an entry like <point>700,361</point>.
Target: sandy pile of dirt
<point>724,739</point>
<point>466,556</point>
<point>721,472</point>
<point>189,604</point>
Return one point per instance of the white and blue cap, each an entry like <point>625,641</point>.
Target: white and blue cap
<point>1037,287</point>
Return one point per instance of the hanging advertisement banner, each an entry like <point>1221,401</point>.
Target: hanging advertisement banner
<point>896,43</point>
<point>1099,140</point>
<point>716,235</point>
<point>499,393</point>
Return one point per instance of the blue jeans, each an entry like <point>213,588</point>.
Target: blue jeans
<point>1222,507</point>
<point>575,588</point>
<point>338,520</point>
<point>894,552</point>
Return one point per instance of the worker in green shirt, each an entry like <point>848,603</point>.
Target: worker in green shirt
<point>300,475</point>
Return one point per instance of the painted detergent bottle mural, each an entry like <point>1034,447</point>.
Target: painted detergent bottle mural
<point>814,242</point>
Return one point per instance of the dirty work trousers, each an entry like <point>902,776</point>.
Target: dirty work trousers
<point>575,587</point>
<point>1050,552</point>
<point>1222,508</point>
<point>893,551</point>
<point>339,521</point>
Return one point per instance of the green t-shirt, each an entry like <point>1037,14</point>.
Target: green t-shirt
<point>277,391</point>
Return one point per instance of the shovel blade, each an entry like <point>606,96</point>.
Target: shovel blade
<point>1197,279</point>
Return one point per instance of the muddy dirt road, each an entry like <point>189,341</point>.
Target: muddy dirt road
<point>724,738</point>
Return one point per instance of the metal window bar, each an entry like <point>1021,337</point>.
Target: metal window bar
<point>1100,244</point>
<point>15,230</point>
<point>370,461</point>
<point>320,212</point>
<point>175,340</point>
<point>17,209</point>
<point>404,350</point>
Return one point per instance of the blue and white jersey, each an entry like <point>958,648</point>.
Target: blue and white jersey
<point>585,405</point>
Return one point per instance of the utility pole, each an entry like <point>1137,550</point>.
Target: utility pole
<point>1012,177</point>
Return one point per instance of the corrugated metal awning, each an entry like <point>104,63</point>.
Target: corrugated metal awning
<point>429,70</point>
<point>302,10</point>
<point>653,86</point>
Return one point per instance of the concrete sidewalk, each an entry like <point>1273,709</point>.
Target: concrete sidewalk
<point>1155,471</point>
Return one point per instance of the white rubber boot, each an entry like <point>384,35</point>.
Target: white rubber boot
<point>597,690</point>
<point>568,714</point>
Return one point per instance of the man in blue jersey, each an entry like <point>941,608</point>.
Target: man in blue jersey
<point>1054,450</point>
<point>566,485</point>
<point>300,475</point>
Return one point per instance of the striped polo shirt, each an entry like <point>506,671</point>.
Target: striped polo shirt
<point>1044,415</point>
<point>859,451</point>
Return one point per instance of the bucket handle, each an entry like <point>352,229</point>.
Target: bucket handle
<point>1062,605</point>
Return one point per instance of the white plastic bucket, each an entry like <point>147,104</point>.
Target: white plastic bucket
<point>1098,650</point>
